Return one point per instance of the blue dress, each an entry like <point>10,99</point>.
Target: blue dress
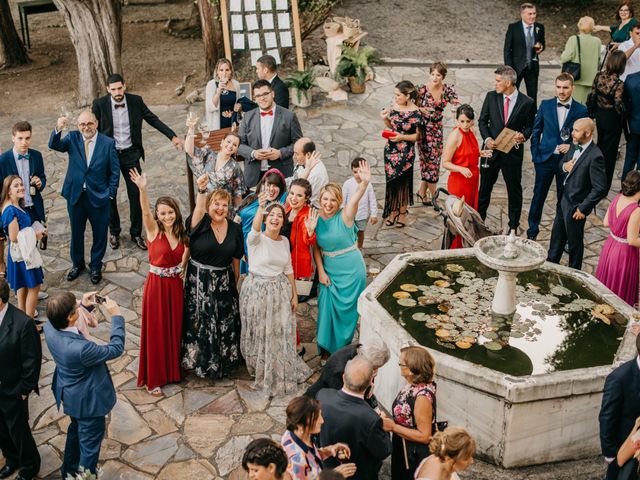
<point>17,274</point>
<point>337,303</point>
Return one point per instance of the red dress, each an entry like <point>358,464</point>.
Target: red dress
<point>161,336</point>
<point>466,155</point>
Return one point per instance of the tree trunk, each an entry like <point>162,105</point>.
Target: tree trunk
<point>95,27</point>
<point>211,34</point>
<point>12,51</point>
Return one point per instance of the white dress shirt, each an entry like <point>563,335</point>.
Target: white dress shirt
<point>367,207</point>
<point>633,62</point>
<point>23,172</point>
<point>121,127</point>
<point>92,146</point>
<point>3,312</point>
<point>562,116</point>
<point>266,127</point>
<point>576,156</point>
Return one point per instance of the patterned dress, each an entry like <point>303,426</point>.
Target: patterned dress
<point>398,161</point>
<point>430,141</point>
<point>229,177</point>
<point>304,461</point>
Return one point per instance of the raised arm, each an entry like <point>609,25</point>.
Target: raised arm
<point>256,225</point>
<point>55,141</point>
<point>93,354</point>
<point>351,208</point>
<point>201,202</point>
<point>150,224</point>
<point>189,141</point>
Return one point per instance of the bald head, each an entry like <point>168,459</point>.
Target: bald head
<point>357,374</point>
<point>87,124</point>
<point>302,149</point>
<point>583,130</point>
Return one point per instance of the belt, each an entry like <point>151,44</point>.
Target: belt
<point>340,252</point>
<point>166,271</point>
<point>122,150</point>
<point>205,267</point>
<point>619,239</point>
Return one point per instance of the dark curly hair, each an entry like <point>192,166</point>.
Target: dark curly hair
<point>264,452</point>
<point>631,183</point>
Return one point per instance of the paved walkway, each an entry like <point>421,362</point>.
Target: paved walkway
<point>199,429</point>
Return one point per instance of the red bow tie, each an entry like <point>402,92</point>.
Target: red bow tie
<point>264,114</point>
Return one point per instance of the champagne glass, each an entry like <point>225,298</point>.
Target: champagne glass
<point>485,155</point>
<point>223,84</point>
<point>565,134</point>
<point>65,111</point>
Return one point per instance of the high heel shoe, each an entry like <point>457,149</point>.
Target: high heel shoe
<point>398,223</point>
<point>391,221</point>
<point>423,199</point>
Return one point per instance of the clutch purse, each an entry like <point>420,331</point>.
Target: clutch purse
<point>303,287</point>
<point>388,134</point>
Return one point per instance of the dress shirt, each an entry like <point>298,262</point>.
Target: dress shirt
<point>318,178</point>
<point>633,62</point>
<point>576,156</point>
<point>266,126</point>
<point>3,312</point>
<point>529,28</point>
<point>121,127</point>
<point>92,146</point>
<point>71,329</point>
<point>22,165</point>
<point>367,207</point>
<point>512,102</point>
<point>562,116</point>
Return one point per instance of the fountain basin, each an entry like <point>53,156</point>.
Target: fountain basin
<point>516,420</point>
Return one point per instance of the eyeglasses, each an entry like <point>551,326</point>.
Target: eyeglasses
<point>401,365</point>
<point>85,125</point>
<point>262,95</point>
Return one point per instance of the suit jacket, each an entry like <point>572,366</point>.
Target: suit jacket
<point>101,176</point>
<point>286,131</point>
<point>331,375</point>
<point>81,380</point>
<point>20,356</point>
<point>515,46</point>
<point>491,121</point>
<point>351,420</point>
<point>632,100</point>
<point>281,91</point>
<point>546,131</point>
<point>36,167</point>
<point>138,112</point>
<point>620,407</point>
<point>586,184</point>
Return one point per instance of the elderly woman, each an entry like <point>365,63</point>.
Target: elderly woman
<point>622,30</point>
<point>221,95</point>
<point>413,412</point>
<point>587,55</point>
<point>211,344</point>
<point>304,420</point>
<point>451,452</point>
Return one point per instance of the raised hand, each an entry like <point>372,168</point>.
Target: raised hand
<point>191,122</point>
<point>365,171</point>
<point>311,221</point>
<point>61,123</point>
<point>139,179</point>
<point>203,182</point>
<point>263,198</point>
<point>312,160</point>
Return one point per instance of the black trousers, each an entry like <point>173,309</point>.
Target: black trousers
<point>567,230</point>
<point>609,125</point>
<point>16,441</point>
<point>129,159</point>
<point>512,174</point>
<point>530,77</point>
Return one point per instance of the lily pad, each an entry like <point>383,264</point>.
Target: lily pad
<point>441,283</point>
<point>443,332</point>
<point>494,346</point>
<point>434,274</point>
<point>490,335</point>
<point>420,316</point>
<point>409,287</point>
<point>401,294</point>
<point>407,302</point>
<point>560,291</point>
<point>463,345</point>
<point>454,267</point>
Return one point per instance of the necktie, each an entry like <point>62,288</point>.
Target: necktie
<point>268,112</point>
<point>119,105</point>
<point>529,44</point>
<point>23,157</point>
<point>87,142</point>
<point>506,109</point>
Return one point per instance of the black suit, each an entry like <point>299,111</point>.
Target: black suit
<point>20,357</point>
<point>582,189</point>
<point>351,420</point>
<point>281,91</point>
<point>331,375</point>
<point>515,55</point>
<point>619,410</point>
<point>130,157</point>
<point>491,123</point>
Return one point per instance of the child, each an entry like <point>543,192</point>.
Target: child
<point>367,208</point>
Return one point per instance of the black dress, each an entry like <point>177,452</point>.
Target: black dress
<point>227,101</point>
<point>211,324</point>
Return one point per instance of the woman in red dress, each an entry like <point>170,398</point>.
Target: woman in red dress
<point>460,157</point>
<point>162,297</point>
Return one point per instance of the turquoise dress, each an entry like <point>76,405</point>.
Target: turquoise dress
<point>337,303</point>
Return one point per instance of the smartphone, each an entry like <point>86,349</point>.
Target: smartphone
<point>100,299</point>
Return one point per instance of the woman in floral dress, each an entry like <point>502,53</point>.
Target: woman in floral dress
<point>433,98</point>
<point>404,119</point>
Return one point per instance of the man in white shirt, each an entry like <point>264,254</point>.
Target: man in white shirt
<point>310,167</point>
<point>367,207</point>
<point>631,49</point>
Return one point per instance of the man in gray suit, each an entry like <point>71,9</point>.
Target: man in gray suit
<point>267,135</point>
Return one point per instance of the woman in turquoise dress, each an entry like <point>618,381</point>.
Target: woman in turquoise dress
<point>341,269</point>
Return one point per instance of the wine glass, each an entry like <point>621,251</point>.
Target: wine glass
<point>565,134</point>
<point>223,84</point>
<point>485,155</point>
<point>65,111</point>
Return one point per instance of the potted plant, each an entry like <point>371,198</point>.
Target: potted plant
<point>300,83</point>
<point>354,65</point>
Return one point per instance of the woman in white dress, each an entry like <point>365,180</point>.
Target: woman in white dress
<point>451,452</point>
<point>221,96</point>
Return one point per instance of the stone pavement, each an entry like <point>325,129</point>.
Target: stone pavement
<point>199,428</point>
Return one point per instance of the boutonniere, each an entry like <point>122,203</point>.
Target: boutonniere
<point>537,30</point>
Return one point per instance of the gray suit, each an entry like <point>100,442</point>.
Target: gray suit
<point>286,131</point>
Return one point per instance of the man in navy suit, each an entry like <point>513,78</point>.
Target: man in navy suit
<point>632,100</point>
<point>91,181</point>
<point>81,380</point>
<point>554,117</point>
<point>584,184</point>
<point>619,410</point>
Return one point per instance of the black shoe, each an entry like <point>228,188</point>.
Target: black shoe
<point>7,471</point>
<point>95,276</point>
<point>22,477</point>
<point>302,352</point>
<point>73,274</point>
<point>531,237</point>
<point>140,242</point>
<point>114,241</point>
<point>566,249</point>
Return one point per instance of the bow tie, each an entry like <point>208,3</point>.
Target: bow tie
<point>565,105</point>
<point>268,112</point>
<point>23,157</point>
<point>579,148</point>
<point>120,105</point>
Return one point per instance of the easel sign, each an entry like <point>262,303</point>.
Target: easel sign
<point>261,27</point>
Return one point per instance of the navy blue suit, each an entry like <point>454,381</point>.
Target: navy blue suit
<point>632,100</point>
<point>36,168</point>
<point>619,410</point>
<point>82,383</point>
<point>87,190</point>
<point>544,140</point>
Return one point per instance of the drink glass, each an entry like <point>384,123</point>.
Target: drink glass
<point>485,155</point>
<point>565,134</point>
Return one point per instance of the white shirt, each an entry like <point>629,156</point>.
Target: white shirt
<point>633,62</point>
<point>512,102</point>
<point>576,156</point>
<point>266,127</point>
<point>562,112</point>
<point>3,312</point>
<point>318,178</point>
<point>121,127</point>
<point>268,257</point>
<point>23,172</point>
<point>367,207</point>
<point>92,146</point>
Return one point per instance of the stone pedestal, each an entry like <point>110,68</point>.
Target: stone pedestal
<point>504,298</point>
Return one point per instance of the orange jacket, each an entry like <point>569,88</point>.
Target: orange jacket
<point>301,244</point>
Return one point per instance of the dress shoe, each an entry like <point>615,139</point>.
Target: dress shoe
<point>75,273</point>
<point>42,296</point>
<point>22,477</point>
<point>140,242</point>
<point>114,241</point>
<point>7,471</point>
<point>95,276</point>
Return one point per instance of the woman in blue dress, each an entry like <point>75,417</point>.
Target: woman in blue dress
<point>341,269</point>
<point>24,281</point>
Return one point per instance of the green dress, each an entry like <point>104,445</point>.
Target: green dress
<point>619,35</point>
<point>337,303</point>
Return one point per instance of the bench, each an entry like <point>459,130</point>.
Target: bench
<point>32,7</point>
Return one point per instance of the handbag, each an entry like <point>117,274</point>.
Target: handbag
<point>572,67</point>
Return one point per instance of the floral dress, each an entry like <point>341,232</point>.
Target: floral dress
<point>229,177</point>
<point>430,141</point>
<point>398,161</point>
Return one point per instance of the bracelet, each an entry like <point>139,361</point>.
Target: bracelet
<point>202,191</point>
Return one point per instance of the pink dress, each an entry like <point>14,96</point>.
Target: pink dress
<point>618,265</point>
